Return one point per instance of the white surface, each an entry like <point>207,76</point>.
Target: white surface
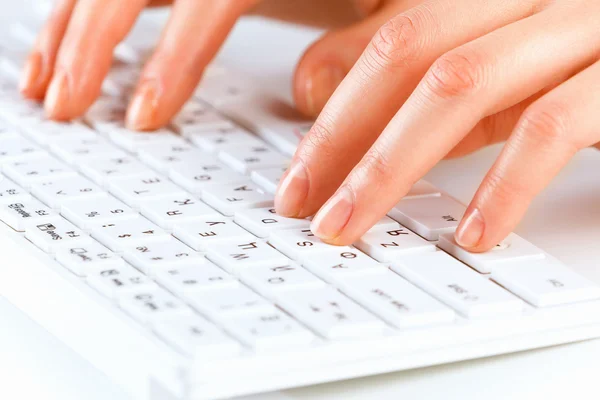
<point>565,221</point>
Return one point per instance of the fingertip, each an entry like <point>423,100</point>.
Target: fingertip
<point>31,77</point>
<point>56,103</point>
<point>471,229</point>
<point>142,114</point>
<point>314,86</point>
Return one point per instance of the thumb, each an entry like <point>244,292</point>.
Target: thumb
<point>325,64</point>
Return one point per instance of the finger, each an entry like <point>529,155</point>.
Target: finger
<point>382,79</point>
<point>478,79</point>
<point>39,66</point>
<point>194,34</point>
<point>85,54</point>
<point>549,133</point>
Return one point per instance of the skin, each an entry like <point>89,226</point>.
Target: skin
<point>396,86</point>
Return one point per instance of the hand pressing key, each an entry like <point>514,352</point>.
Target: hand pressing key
<point>443,79</point>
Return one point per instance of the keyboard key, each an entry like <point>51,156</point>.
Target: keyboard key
<point>48,132</point>
<point>186,280</point>
<point>10,192</point>
<point>224,303</point>
<point>330,313</point>
<point>195,336</point>
<point>198,117</point>
<point>333,266</point>
<point>395,300</point>
<point>163,157</point>
<point>17,149</point>
<point>268,178</point>
<point>55,192</point>
<point>200,235</point>
<point>274,281</point>
<point>134,191</point>
<point>29,172</point>
<point>269,329</point>
<point>88,258</point>
<point>301,244</point>
<point>133,141</point>
<point>217,139</point>
<point>457,285</point>
<point>150,305</point>
<point>199,175</point>
<point>263,221</point>
<point>386,223</point>
<point>245,159</point>
<point>155,257</point>
<point>227,199</point>
<point>74,150</point>
<point>168,211</point>
<point>429,216</point>
<point>103,210</point>
<point>54,233</point>
<point>104,169</point>
<point>422,189</point>
<point>127,234</point>
<point>18,215</point>
<point>545,282</point>
<point>235,256</point>
<point>116,282</point>
<point>513,248</point>
<point>386,245</point>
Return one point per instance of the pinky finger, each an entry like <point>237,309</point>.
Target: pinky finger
<point>548,134</point>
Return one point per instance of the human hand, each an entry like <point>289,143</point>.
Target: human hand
<point>73,53</point>
<point>441,80</point>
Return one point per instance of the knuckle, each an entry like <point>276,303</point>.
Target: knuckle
<point>504,191</point>
<point>319,138</point>
<point>455,74</point>
<point>546,124</point>
<point>377,169</point>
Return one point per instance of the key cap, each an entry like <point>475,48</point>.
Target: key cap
<point>198,175</point>
<point>330,313</point>
<point>224,303</point>
<point>168,211</point>
<point>18,215</point>
<point>274,281</point>
<point>224,88</point>
<point>336,265</point>
<point>74,150</point>
<point>245,159</point>
<point>197,117</point>
<point>150,305</point>
<point>456,285</point>
<point>513,248</point>
<point>127,234</point>
<point>10,192</point>
<point>270,329</point>
<point>268,178</point>
<point>227,199</point>
<point>133,141</point>
<point>83,260</point>
<point>116,282</point>
<point>104,210</point>
<point>429,216</point>
<point>386,223</point>
<point>186,280</point>
<point>301,244</point>
<point>396,301</point>
<point>263,221</point>
<point>197,337</point>
<point>55,192</point>
<point>29,172</point>
<point>217,139</point>
<point>54,233</point>
<point>235,256</point>
<point>47,132</point>
<point>387,245</point>
<point>164,157</point>
<point>134,191</point>
<point>200,235</point>
<point>422,189</point>
<point>151,258</point>
<point>545,282</point>
<point>104,169</point>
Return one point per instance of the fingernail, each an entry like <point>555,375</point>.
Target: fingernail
<point>333,217</point>
<point>31,72</point>
<point>471,229</point>
<point>142,110</point>
<point>58,95</point>
<point>292,191</point>
<point>320,86</point>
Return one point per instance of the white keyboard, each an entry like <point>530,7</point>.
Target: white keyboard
<point>159,257</point>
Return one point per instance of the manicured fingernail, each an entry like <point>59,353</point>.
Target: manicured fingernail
<point>57,96</point>
<point>471,229</point>
<point>334,215</point>
<point>142,110</point>
<point>31,72</point>
<point>320,86</point>
<point>292,191</point>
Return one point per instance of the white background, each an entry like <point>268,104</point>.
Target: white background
<point>565,221</point>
